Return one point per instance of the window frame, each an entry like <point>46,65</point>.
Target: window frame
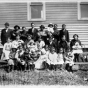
<point>29,13</point>
<point>79,12</point>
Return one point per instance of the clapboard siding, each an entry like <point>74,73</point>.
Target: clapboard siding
<point>14,13</point>
<point>56,12</point>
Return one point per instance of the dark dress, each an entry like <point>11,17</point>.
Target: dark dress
<point>14,34</point>
<point>23,35</point>
<point>73,41</point>
<point>56,34</point>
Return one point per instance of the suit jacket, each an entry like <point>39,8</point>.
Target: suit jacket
<point>66,33</point>
<point>34,34</point>
<point>5,35</point>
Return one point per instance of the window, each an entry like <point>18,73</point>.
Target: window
<point>36,11</point>
<point>83,11</point>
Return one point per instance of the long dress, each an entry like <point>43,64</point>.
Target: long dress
<point>52,58</point>
<point>39,62</point>
<point>60,58</point>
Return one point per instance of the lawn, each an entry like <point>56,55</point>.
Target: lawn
<point>43,77</point>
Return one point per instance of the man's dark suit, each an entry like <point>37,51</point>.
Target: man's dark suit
<point>5,35</point>
<point>66,33</point>
<point>33,33</point>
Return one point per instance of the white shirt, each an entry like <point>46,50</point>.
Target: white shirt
<point>7,47</point>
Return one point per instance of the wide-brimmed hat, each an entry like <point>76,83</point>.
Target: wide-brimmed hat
<point>75,35</point>
<point>16,27</point>
<point>6,24</point>
<point>63,25</point>
<point>50,24</point>
<point>42,26</point>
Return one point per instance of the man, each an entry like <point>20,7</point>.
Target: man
<point>5,33</point>
<point>33,31</point>
<point>64,32</point>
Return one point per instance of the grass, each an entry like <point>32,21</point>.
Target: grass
<point>43,77</point>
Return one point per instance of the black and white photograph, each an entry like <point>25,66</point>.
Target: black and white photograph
<point>44,42</point>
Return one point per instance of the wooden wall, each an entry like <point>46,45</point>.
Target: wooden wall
<point>56,12</point>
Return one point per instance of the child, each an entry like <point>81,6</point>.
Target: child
<point>20,59</point>
<point>40,43</point>
<point>52,59</point>
<point>47,49</point>
<point>6,50</point>
<point>12,59</point>
<point>33,57</point>
<point>45,64</point>
<point>17,42</point>
<point>26,57</point>
<point>69,57</point>
<point>60,58</point>
<point>52,43</point>
<point>63,43</point>
<point>27,42</point>
<point>32,46</point>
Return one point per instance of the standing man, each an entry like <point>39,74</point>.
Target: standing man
<point>33,31</point>
<point>65,32</point>
<point>5,33</point>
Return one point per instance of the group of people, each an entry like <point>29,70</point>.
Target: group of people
<point>43,48</point>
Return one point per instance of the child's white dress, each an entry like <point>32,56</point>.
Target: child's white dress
<point>60,59</point>
<point>52,58</point>
<point>6,51</point>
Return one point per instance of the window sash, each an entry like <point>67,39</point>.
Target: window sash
<point>79,11</point>
<point>43,15</point>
